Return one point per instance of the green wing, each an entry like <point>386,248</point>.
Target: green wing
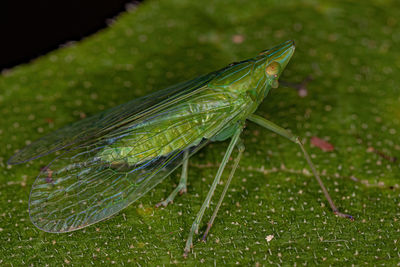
<point>79,188</point>
<point>119,117</point>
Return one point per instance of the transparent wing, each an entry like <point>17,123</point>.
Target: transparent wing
<point>79,188</point>
<point>71,198</point>
<point>120,117</point>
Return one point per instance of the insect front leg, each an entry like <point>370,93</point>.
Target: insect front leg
<point>181,188</point>
<point>283,132</point>
<point>195,226</point>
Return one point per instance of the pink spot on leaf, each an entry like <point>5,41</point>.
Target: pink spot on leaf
<point>322,144</point>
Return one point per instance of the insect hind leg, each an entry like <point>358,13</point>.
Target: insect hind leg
<point>195,226</point>
<point>241,148</point>
<point>182,186</point>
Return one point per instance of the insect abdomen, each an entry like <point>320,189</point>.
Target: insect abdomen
<point>184,126</point>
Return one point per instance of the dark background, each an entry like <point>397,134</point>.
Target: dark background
<point>33,28</point>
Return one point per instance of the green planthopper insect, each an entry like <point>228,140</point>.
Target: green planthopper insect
<point>111,159</point>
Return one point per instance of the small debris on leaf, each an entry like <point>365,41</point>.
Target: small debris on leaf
<point>372,149</point>
<point>49,120</point>
<point>269,238</point>
<point>238,39</point>
<point>381,154</point>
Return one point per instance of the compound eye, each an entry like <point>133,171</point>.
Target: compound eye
<point>273,68</point>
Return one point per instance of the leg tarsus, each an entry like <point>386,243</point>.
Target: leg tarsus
<point>343,215</point>
<point>209,225</point>
<point>183,191</point>
<point>169,199</point>
<point>181,188</point>
<point>189,242</point>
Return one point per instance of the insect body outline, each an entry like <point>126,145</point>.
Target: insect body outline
<point>111,159</point>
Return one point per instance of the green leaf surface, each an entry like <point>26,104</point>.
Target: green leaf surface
<point>274,211</point>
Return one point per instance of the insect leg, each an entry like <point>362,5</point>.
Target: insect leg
<point>181,188</point>
<point>195,226</point>
<point>241,148</point>
<point>283,132</point>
